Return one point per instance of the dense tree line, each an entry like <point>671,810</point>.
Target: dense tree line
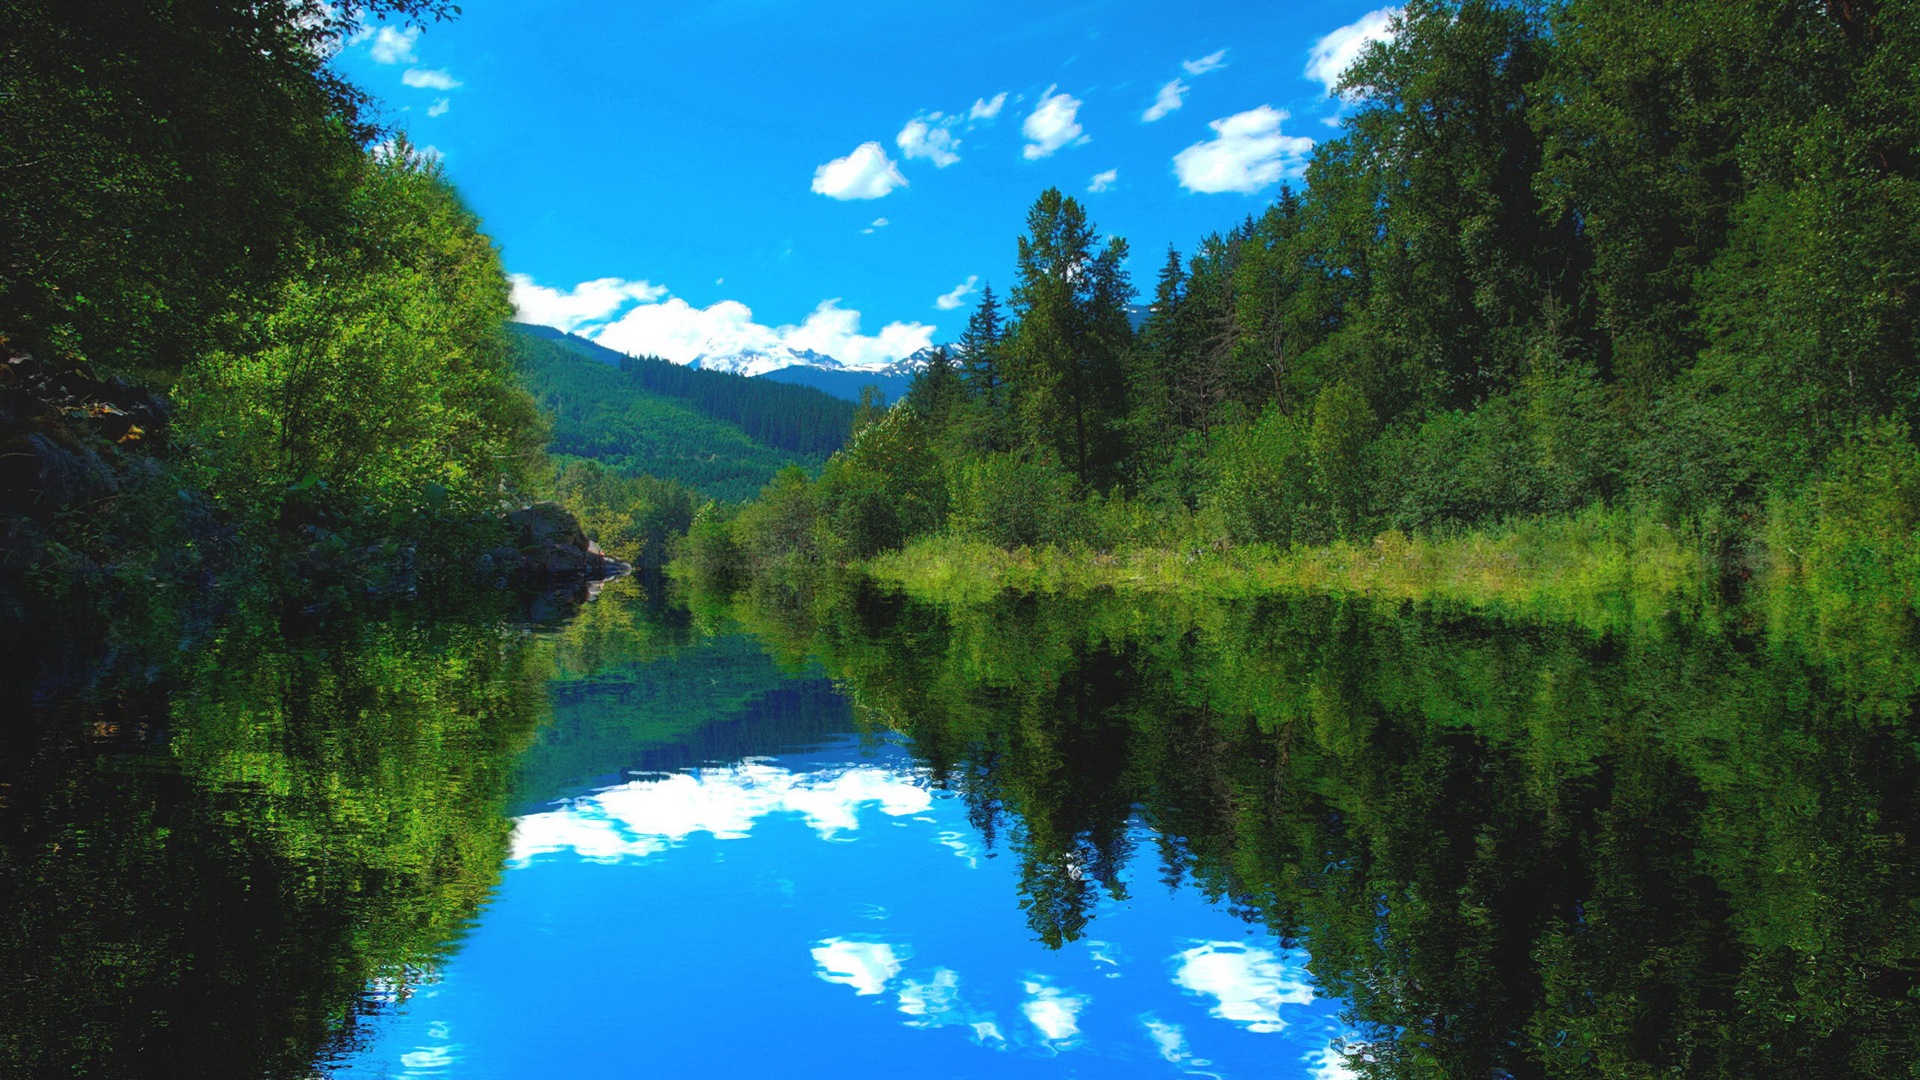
<point>232,308</point>
<point>1566,253</point>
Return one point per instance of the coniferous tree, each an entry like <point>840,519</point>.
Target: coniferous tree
<point>980,348</point>
<point>1065,373</point>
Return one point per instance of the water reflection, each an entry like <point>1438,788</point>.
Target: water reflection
<point>870,837</point>
<point>805,914</point>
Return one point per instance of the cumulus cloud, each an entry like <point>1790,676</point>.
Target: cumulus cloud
<point>950,301</point>
<point>1052,125</point>
<point>867,173</point>
<point>864,965</point>
<point>1056,1015</point>
<point>1210,62</point>
<point>439,108</point>
<point>1247,153</point>
<point>425,79</point>
<point>1333,54</point>
<point>835,330</point>
<point>586,303</point>
<point>392,46</point>
<point>1103,181</point>
<point>878,224</point>
<point>1248,984</point>
<point>668,327</point>
<point>928,137</point>
<point>1172,96</point>
<point>676,330</point>
<point>645,817</point>
<point>987,108</point>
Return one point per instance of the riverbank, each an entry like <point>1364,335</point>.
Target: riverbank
<point>1537,562</point>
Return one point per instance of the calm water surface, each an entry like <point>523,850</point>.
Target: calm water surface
<point>861,837</point>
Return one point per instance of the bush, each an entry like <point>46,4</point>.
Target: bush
<point>1263,488</point>
<point>1016,500</point>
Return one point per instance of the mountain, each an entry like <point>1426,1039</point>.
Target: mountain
<point>846,382</point>
<point>782,365</point>
<point>724,435</point>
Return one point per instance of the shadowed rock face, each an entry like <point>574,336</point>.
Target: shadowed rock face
<point>549,544</point>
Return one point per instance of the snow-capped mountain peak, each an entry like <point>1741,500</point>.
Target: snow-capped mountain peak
<point>751,362</point>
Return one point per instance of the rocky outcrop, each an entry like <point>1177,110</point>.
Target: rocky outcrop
<point>548,545</point>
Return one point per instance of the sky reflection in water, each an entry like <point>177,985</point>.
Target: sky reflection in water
<point>827,914</point>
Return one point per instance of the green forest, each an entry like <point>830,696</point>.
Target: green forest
<point>1641,264</point>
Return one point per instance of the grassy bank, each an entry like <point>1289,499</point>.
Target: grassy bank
<point>1596,560</point>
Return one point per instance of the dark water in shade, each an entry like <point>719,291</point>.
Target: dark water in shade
<point>861,837</point>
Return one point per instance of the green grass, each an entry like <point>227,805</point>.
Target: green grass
<point>1589,566</point>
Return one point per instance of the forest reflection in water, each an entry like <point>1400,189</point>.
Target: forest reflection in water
<point>1665,845</point>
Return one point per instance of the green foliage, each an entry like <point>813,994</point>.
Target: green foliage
<point>1064,354</point>
<point>1015,500</point>
<point>171,162</point>
<point>635,519</point>
<point>381,381</point>
<point>1565,258</point>
<point>887,485</point>
<point>1343,423</point>
<point>1264,488</point>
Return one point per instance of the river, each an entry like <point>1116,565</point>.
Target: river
<point>860,836</point>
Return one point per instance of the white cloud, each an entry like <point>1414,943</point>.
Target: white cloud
<point>676,330</point>
<point>1206,63</point>
<point>645,817</point>
<point>439,108</point>
<point>864,965</point>
<point>1249,985</point>
<point>424,79</point>
<point>987,109</point>
<point>1056,1015</point>
<point>951,301</point>
<point>1103,181</point>
<point>1332,55</point>
<point>835,330</point>
<point>878,224</point>
<point>1171,97</point>
<point>1052,125</point>
<point>933,141</point>
<point>867,173</point>
<point>1247,153</point>
<point>588,302</point>
<point>391,46</point>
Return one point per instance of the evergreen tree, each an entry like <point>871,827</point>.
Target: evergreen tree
<point>936,394</point>
<point>1065,373</point>
<point>980,349</point>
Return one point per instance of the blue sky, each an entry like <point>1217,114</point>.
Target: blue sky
<point>678,178</point>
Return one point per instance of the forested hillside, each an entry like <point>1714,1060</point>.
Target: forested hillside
<point>611,416</point>
<point>780,415</point>
<point>1611,254</point>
